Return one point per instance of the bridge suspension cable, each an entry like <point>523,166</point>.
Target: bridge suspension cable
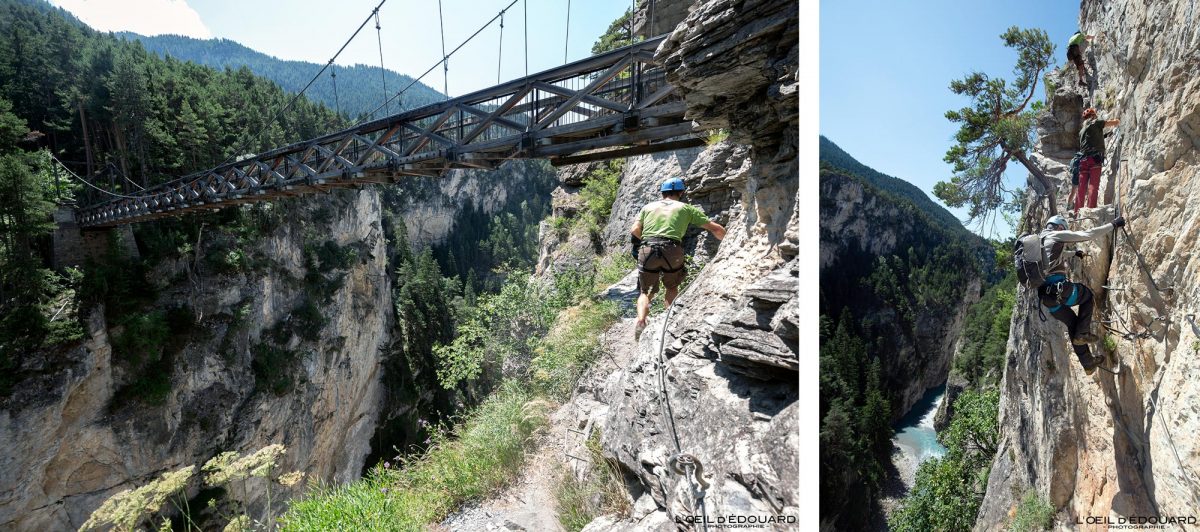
<point>525,4</point>
<point>298,95</point>
<point>445,60</point>
<point>337,104</point>
<point>382,69</point>
<point>500,49</point>
<point>567,38</point>
<point>371,115</point>
<point>84,181</point>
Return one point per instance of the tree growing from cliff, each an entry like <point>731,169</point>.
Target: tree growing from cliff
<point>996,129</point>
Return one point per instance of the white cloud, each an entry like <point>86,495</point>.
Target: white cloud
<point>147,17</point>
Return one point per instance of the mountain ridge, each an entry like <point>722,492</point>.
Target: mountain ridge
<point>360,88</point>
<point>833,154</point>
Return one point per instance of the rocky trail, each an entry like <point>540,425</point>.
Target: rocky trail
<point>560,448</point>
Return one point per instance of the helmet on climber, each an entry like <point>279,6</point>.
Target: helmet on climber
<point>674,184</point>
<point>1058,294</point>
<point>1090,112</point>
<point>1057,220</point>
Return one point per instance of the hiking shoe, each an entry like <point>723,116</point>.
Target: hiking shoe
<point>637,330</point>
<point>1089,369</point>
<point>1085,338</point>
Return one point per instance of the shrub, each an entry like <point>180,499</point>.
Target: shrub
<point>141,341</point>
<point>1033,513</point>
<point>273,367</point>
<point>570,347</point>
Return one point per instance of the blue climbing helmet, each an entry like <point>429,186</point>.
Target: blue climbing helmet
<point>672,184</point>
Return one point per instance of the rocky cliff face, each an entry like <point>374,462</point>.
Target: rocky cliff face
<point>286,348</point>
<point>1118,445</point>
<point>730,350</point>
<point>70,443</point>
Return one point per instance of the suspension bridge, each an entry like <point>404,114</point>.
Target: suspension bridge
<point>609,105</point>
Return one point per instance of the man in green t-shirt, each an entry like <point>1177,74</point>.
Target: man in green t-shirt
<point>1075,48</point>
<point>658,244</point>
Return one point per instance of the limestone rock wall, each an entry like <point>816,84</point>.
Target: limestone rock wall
<point>70,443</point>
<point>730,348</point>
<point>1118,445</point>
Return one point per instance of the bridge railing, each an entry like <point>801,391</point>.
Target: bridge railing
<point>618,98</point>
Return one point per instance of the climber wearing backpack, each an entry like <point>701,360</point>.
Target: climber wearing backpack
<point>1075,48</point>
<point>1041,264</point>
<point>1091,157</point>
<point>658,244</point>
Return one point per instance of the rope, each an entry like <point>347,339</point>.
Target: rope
<point>567,38</point>
<point>500,49</point>
<point>669,414</point>
<point>382,69</point>
<point>445,58</point>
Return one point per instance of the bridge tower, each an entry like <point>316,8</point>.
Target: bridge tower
<point>72,246</point>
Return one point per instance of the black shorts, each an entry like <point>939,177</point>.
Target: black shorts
<point>1074,55</point>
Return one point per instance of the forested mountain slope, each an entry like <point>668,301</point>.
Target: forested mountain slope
<point>360,88</point>
<point>897,282</point>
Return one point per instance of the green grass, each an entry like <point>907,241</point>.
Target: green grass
<point>1034,513</point>
<point>570,347</point>
<point>479,456</point>
<point>601,492</point>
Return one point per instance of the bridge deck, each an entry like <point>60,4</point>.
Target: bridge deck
<point>609,105</point>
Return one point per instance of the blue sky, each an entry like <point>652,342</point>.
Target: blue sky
<point>312,30</point>
<point>886,67</point>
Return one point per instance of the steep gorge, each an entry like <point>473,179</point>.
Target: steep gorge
<point>1117,446</point>
<point>283,337</point>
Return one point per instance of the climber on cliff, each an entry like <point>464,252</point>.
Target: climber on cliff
<point>658,244</point>
<point>1075,47</point>
<point>1058,294</point>
<point>1091,151</point>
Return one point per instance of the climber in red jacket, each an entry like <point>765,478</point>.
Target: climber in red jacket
<point>1091,146</point>
<point>1058,294</point>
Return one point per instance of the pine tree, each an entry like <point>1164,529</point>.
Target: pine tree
<point>995,128</point>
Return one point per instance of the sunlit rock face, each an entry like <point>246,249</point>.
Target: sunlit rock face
<point>1117,445</point>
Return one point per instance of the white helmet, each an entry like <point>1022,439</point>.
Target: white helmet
<point>1058,220</point>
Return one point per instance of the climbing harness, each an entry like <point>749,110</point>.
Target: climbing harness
<point>656,250</point>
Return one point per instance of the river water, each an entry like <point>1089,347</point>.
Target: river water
<point>916,440</point>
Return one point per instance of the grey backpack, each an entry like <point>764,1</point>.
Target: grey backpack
<point>1027,254</point>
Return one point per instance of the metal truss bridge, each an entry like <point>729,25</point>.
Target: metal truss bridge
<point>610,105</point>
